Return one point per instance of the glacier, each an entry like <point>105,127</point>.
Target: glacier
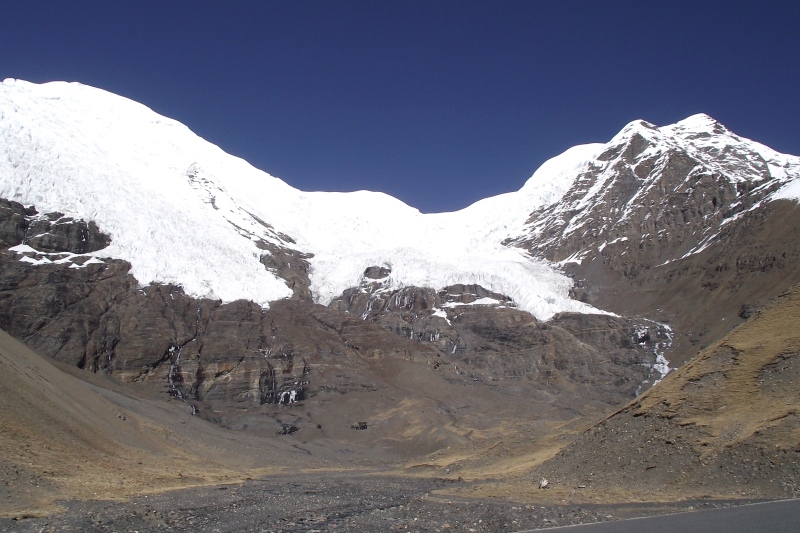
<point>182,211</point>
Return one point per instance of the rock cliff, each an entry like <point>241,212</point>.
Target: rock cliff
<point>222,358</point>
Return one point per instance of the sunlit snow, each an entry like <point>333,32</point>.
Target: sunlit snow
<point>790,191</point>
<point>183,211</point>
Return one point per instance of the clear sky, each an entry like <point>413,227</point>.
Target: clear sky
<point>438,103</point>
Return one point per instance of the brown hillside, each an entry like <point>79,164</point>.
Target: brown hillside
<point>64,438</point>
<point>725,425</point>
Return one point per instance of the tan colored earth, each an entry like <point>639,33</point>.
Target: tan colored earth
<point>97,438</point>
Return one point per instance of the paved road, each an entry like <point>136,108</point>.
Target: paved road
<point>770,517</point>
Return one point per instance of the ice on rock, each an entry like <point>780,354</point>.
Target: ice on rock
<point>790,191</point>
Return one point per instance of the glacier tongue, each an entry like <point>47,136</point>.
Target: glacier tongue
<point>97,156</point>
<point>182,211</point>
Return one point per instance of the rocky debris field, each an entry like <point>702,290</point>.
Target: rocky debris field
<point>327,502</point>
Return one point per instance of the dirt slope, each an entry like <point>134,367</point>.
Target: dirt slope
<point>62,437</point>
<point>727,424</point>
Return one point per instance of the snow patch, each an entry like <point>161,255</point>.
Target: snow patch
<point>35,257</point>
<point>480,301</point>
<point>790,191</point>
<point>441,313</point>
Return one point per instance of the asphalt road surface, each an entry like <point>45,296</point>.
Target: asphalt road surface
<point>770,517</point>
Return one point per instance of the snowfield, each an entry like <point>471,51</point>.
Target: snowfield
<point>183,211</point>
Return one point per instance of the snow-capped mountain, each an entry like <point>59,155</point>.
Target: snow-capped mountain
<point>673,188</point>
<point>182,211</point>
<point>131,246</point>
<point>350,324</point>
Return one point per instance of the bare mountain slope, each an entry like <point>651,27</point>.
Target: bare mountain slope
<point>65,438</point>
<point>725,425</point>
<point>705,295</point>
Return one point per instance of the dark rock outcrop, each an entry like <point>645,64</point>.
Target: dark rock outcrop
<point>482,334</point>
<point>51,232</point>
<point>290,265</point>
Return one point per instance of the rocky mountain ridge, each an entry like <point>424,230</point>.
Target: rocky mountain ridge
<point>666,193</point>
<point>691,218</point>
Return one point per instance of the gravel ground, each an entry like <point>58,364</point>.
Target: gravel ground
<point>323,502</point>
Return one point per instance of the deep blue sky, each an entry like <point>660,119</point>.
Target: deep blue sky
<point>437,103</point>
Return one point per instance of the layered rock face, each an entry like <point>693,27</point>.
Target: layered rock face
<point>222,358</point>
<point>612,357</point>
<point>677,224</point>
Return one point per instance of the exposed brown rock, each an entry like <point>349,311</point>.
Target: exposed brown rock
<point>51,232</point>
<point>225,359</point>
<point>753,260</point>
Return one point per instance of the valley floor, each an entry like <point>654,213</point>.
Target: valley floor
<point>333,501</point>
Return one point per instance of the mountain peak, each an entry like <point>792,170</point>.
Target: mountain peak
<point>697,125</point>
<point>641,127</point>
<point>700,125</point>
